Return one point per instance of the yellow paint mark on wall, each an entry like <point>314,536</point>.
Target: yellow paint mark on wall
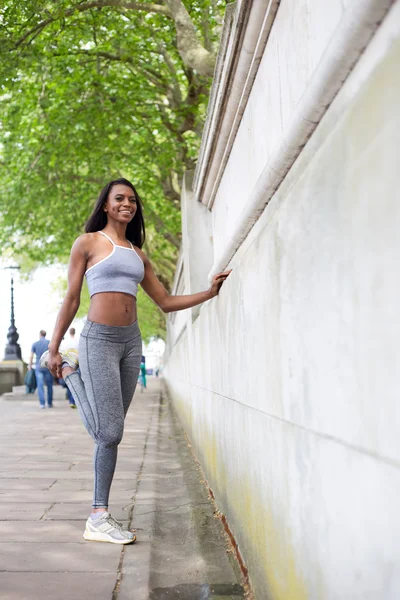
<point>263,538</point>
<point>268,540</point>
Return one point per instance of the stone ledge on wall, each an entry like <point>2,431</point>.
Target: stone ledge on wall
<point>245,33</point>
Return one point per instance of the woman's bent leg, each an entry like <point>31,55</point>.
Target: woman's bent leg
<point>130,367</point>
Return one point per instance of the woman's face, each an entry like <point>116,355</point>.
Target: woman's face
<point>121,203</point>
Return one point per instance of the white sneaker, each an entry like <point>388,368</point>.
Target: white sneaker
<point>69,356</point>
<point>107,529</point>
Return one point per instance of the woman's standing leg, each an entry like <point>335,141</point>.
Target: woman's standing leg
<point>98,394</point>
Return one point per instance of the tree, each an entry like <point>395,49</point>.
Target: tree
<point>96,90</point>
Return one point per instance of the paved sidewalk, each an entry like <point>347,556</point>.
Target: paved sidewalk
<point>45,497</point>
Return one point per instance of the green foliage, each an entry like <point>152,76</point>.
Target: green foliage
<point>90,92</point>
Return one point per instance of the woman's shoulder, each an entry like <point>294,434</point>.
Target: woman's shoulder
<point>88,238</point>
<point>85,241</point>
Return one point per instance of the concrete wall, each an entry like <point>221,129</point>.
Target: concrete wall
<point>287,383</point>
<point>12,373</point>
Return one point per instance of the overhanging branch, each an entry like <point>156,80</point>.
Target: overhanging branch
<point>156,8</point>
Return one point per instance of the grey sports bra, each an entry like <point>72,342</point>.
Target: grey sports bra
<point>121,271</point>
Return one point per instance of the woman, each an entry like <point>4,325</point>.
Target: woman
<point>110,348</point>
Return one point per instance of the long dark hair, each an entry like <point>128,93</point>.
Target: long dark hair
<point>135,231</point>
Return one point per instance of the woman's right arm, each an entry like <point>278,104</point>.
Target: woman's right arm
<point>70,305</point>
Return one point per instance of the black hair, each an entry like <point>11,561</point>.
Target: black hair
<point>135,231</point>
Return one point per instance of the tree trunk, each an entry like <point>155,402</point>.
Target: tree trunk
<point>191,50</point>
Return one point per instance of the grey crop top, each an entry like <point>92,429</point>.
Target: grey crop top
<point>121,271</point>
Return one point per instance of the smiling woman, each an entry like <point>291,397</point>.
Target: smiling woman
<point>109,254</point>
<point>118,207</point>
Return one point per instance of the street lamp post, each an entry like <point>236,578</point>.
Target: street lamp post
<point>13,349</point>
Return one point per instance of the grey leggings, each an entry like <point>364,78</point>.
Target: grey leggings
<point>109,364</point>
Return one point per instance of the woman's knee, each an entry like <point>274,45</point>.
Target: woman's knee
<point>109,438</point>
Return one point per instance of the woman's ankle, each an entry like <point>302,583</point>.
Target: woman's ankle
<point>97,513</point>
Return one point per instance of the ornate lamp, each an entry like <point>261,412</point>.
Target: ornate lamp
<point>13,349</point>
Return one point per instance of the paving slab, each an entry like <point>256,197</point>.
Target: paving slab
<point>51,495</point>
<point>55,586</point>
<point>15,483</point>
<point>23,511</point>
<point>45,531</point>
<point>17,466</point>
<point>64,557</point>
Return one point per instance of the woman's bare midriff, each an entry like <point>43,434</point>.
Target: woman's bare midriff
<point>113,308</point>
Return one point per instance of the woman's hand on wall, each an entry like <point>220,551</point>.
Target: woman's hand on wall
<point>217,282</point>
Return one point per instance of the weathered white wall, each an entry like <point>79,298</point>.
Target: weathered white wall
<point>287,383</point>
<point>296,45</point>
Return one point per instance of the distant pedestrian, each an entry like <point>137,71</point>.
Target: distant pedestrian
<point>68,344</point>
<point>143,371</point>
<point>43,376</point>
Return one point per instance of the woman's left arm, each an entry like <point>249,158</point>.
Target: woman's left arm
<point>157,292</point>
